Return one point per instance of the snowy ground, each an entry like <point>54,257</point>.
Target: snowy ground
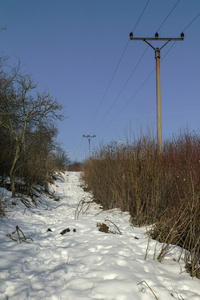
<point>86,264</point>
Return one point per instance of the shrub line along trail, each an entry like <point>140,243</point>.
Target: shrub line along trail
<point>84,263</point>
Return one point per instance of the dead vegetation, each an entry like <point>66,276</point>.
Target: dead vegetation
<point>105,228</point>
<point>160,189</point>
<point>20,236</point>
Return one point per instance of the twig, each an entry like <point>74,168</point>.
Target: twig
<point>98,213</point>
<point>114,225</point>
<point>180,298</point>
<point>26,202</point>
<point>147,248</point>
<point>80,207</point>
<point>92,288</point>
<point>144,281</point>
<point>68,258</point>
<point>87,208</point>
<point>20,239</point>
<point>78,210</point>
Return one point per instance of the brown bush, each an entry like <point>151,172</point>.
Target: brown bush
<point>160,189</point>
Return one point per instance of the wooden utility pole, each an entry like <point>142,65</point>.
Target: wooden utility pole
<point>158,96</point>
<point>89,138</point>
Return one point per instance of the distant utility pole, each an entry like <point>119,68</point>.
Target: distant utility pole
<point>89,138</point>
<point>158,97</point>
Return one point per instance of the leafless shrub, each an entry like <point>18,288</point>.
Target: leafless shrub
<point>82,207</point>
<point>160,189</point>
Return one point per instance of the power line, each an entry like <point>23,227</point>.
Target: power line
<point>139,60</point>
<point>140,16</point>
<point>191,22</point>
<point>168,50</point>
<point>110,82</point>
<point>111,106</point>
<point>168,15</point>
<point>134,95</point>
<point>115,71</point>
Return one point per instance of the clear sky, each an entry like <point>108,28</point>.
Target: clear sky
<point>75,49</point>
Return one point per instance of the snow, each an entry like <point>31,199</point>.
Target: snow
<point>86,264</point>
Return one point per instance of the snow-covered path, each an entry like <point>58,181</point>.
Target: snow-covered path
<point>84,263</point>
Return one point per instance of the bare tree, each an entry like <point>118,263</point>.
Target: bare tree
<point>22,110</point>
<point>35,161</point>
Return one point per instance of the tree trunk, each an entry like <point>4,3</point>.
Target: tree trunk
<point>47,170</point>
<point>12,171</point>
<point>12,181</point>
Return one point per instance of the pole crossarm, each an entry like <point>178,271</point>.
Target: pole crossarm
<point>156,38</point>
<point>89,136</point>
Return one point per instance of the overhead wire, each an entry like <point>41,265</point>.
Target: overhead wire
<point>140,15</point>
<point>109,84</point>
<point>168,15</point>
<point>119,94</point>
<point>133,96</point>
<point>191,22</point>
<point>139,60</point>
<point>182,31</point>
<point>115,71</point>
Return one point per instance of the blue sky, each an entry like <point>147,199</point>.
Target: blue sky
<point>73,47</point>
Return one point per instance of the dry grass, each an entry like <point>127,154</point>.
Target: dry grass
<point>160,189</point>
